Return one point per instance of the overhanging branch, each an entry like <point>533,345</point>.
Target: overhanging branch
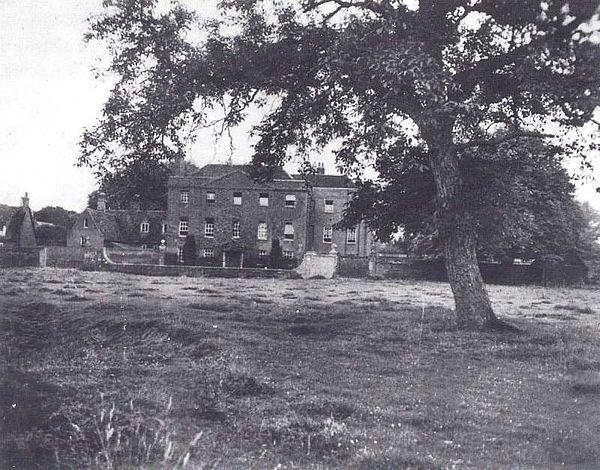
<point>504,138</point>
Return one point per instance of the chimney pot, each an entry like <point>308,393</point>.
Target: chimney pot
<point>25,200</point>
<point>101,204</point>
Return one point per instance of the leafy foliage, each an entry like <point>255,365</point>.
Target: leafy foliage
<point>440,88</point>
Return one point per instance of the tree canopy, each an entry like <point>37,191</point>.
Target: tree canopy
<point>442,85</point>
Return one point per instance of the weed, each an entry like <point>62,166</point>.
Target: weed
<point>123,438</point>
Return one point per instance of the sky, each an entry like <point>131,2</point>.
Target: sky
<point>49,94</point>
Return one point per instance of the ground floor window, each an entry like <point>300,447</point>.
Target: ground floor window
<point>327,234</point>
<point>83,241</point>
<point>262,253</point>
<point>288,254</point>
<point>209,253</point>
<point>351,235</point>
<point>209,227</point>
<point>184,228</point>
<point>180,255</point>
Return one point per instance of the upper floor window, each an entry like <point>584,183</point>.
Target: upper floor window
<point>237,198</point>
<point>164,228</point>
<point>288,231</point>
<point>327,234</point>
<point>184,197</point>
<point>184,228</point>
<point>210,197</point>
<point>351,235</point>
<point>263,199</point>
<point>86,223</point>
<point>290,200</point>
<point>144,227</point>
<point>209,227</point>
<point>209,253</point>
<point>262,231</point>
<point>236,229</point>
<point>329,206</point>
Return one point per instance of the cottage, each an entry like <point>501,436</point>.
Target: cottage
<point>101,227</point>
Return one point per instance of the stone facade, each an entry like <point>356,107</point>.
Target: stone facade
<point>97,228</point>
<point>20,232</point>
<point>234,220</point>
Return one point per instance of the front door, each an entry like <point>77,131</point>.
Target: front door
<point>233,259</point>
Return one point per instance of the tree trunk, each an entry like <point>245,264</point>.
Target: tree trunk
<point>457,230</point>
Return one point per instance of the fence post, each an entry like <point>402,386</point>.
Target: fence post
<point>43,257</point>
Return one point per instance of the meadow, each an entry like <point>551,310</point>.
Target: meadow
<point>113,371</point>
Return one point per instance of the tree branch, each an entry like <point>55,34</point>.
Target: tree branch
<point>505,138</point>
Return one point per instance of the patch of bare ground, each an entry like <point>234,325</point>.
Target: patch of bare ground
<point>291,374</point>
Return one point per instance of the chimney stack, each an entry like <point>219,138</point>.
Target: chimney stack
<point>320,169</point>
<point>25,200</point>
<point>101,204</point>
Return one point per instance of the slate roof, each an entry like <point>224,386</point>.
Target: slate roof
<point>124,225</point>
<point>215,170</point>
<point>326,181</point>
<point>13,229</point>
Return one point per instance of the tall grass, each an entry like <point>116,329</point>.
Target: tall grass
<point>123,438</point>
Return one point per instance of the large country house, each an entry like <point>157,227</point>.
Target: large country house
<point>235,220</point>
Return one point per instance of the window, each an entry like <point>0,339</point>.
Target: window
<point>83,241</point>
<point>184,228</point>
<point>262,253</point>
<point>209,253</point>
<point>262,231</point>
<point>209,227</point>
<point>184,197</point>
<point>237,198</point>
<point>210,197</point>
<point>288,254</point>
<point>351,235</point>
<point>86,223</point>
<point>288,231</point>
<point>327,234</point>
<point>263,199</point>
<point>236,229</point>
<point>164,228</point>
<point>144,227</point>
<point>180,255</point>
<point>290,200</point>
<point>328,206</point>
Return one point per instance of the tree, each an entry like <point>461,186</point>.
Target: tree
<point>521,199</point>
<point>143,181</point>
<point>55,215</point>
<point>376,77</point>
<point>55,234</point>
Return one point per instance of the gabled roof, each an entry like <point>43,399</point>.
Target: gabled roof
<point>326,181</point>
<point>216,170</point>
<point>106,222</point>
<point>21,216</point>
<point>124,225</point>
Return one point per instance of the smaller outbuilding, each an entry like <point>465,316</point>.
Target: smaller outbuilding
<point>103,227</point>
<point>20,231</point>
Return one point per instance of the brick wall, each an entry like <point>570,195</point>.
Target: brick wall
<point>224,212</point>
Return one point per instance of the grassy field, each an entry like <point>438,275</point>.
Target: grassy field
<point>102,370</point>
